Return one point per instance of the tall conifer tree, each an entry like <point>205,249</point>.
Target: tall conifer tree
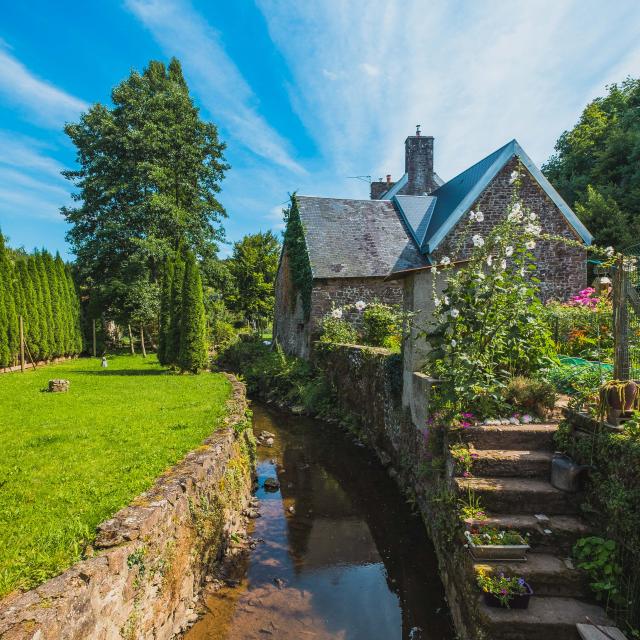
<point>5,356</point>
<point>165,312</point>
<point>46,311</point>
<point>30,306</point>
<point>193,330</point>
<point>173,343</point>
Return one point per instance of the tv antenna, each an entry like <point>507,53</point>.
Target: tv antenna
<point>363,178</point>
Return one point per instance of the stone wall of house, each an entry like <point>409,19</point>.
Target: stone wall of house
<point>295,333</point>
<point>149,563</point>
<point>561,269</point>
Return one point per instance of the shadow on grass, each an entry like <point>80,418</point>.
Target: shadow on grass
<point>123,372</point>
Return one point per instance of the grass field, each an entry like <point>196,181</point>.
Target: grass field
<point>71,460</point>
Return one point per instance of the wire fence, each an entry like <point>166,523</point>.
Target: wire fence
<point>634,312</point>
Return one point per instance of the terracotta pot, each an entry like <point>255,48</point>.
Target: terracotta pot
<point>517,602</point>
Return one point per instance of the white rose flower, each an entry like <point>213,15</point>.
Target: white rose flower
<point>509,251</point>
<point>531,244</point>
<point>532,216</point>
<point>503,264</point>
<point>446,299</point>
<point>454,313</point>
<point>446,260</point>
<point>516,212</point>
<point>513,177</point>
<point>609,251</point>
<point>336,313</point>
<point>361,305</point>
<point>489,260</point>
<point>453,343</point>
<point>477,240</point>
<point>479,216</point>
<point>437,302</point>
<point>472,215</point>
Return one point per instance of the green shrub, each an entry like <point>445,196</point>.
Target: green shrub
<point>382,326</point>
<point>338,331</point>
<point>222,334</point>
<point>528,394</point>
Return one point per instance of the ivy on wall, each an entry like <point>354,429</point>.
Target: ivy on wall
<point>299,264</point>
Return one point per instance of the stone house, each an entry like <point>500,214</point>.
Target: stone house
<point>383,248</point>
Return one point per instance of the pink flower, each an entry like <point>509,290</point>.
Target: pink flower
<point>466,474</point>
<point>464,424</point>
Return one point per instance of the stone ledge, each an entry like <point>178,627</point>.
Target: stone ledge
<point>144,578</point>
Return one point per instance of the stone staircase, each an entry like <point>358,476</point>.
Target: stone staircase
<point>511,478</point>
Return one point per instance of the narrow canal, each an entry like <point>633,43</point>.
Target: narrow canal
<point>339,553</point>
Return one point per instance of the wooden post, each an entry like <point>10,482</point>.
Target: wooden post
<point>93,322</point>
<point>144,351</point>
<point>621,366</point>
<point>21,345</point>
<point>133,349</point>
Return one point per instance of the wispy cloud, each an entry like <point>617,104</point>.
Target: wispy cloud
<point>42,101</point>
<point>222,89</point>
<point>30,182</point>
<point>474,75</point>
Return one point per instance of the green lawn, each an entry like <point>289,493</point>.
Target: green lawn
<point>71,460</point>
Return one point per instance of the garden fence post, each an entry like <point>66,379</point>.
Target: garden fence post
<point>21,345</point>
<point>621,368</point>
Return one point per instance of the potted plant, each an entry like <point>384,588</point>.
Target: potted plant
<point>505,592</point>
<point>489,543</point>
<point>618,399</point>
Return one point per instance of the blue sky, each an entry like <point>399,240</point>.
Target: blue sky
<point>305,94</point>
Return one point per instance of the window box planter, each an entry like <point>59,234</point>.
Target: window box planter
<point>518,601</point>
<point>496,552</point>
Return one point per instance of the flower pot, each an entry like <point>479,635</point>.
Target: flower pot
<point>619,401</point>
<point>520,601</point>
<point>495,552</point>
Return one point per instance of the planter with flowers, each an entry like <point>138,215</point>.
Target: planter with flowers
<point>488,543</point>
<point>506,592</point>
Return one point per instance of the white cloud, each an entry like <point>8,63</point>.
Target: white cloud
<point>43,102</point>
<point>17,151</point>
<point>182,32</point>
<point>474,75</point>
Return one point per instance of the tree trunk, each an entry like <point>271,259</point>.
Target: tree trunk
<point>94,337</point>
<point>144,351</point>
<point>21,345</point>
<point>131,346</point>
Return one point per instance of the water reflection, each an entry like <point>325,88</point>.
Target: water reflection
<point>348,558</point>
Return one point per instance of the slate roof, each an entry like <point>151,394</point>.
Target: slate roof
<point>365,238</point>
<point>356,238</point>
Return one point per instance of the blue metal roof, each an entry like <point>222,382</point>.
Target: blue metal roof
<point>416,212</point>
<point>455,198</point>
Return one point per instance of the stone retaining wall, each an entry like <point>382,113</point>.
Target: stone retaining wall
<point>149,562</point>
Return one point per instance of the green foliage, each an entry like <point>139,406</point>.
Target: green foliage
<point>193,352</point>
<point>597,557</point>
<point>165,312</point>
<point>253,265</point>
<point>595,165</point>
<point>80,456</point>
<point>337,331</point>
<point>492,536</point>
<point>504,588</point>
<point>149,172</point>
<point>489,324</point>
<point>530,395</point>
<point>295,247</point>
<point>172,348</point>
<point>382,325</point>
<point>462,459</point>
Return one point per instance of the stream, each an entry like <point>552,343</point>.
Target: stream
<point>339,554</point>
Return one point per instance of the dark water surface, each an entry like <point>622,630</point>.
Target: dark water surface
<point>351,562</point>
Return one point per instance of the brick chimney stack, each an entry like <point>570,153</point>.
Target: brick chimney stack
<point>418,164</point>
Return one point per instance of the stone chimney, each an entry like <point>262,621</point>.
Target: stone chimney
<point>418,165</point>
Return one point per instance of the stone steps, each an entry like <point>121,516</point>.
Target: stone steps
<point>513,495</point>
<point>547,574</point>
<point>523,437</point>
<point>545,619</point>
<point>498,463</point>
<point>564,530</point>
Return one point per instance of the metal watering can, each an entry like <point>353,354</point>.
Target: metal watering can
<point>565,473</point>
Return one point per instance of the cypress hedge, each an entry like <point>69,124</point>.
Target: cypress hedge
<point>39,288</point>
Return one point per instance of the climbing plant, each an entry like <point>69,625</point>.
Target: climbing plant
<point>296,249</point>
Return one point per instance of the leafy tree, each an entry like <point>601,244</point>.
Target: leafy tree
<point>254,264</point>
<point>193,331</point>
<point>150,169</point>
<point>603,152</point>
